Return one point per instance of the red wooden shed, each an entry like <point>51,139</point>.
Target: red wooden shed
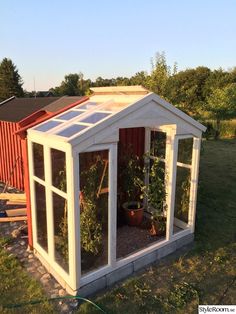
<point>16,113</point>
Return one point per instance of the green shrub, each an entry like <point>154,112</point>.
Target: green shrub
<point>227,129</point>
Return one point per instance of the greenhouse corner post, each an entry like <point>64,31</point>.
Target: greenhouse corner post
<point>170,199</point>
<point>194,181</point>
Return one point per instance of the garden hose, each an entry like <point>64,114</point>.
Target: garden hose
<point>11,306</point>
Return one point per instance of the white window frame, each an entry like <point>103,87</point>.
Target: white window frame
<point>112,209</point>
<point>49,257</point>
<point>194,167</point>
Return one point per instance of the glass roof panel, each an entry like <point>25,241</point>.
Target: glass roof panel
<point>86,115</point>
<point>88,105</point>
<point>47,126</point>
<point>71,130</point>
<point>69,115</point>
<point>95,117</point>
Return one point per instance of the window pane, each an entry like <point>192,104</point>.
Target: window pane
<point>182,194</point>
<point>58,161</point>
<point>41,219</point>
<point>95,117</point>
<point>158,144</point>
<point>75,128</point>
<point>38,160</point>
<point>138,225</point>
<point>47,126</point>
<point>60,231</point>
<point>185,150</point>
<point>69,115</point>
<point>88,105</point>
<point>94,190</point>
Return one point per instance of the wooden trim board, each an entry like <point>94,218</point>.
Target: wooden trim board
<point>9,219</point>
<point>13,196</point>
<point>15,212</point>
<point>20,203</point>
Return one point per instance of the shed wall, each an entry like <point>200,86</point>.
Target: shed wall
<point>134,137</point>
<point>11,160</point>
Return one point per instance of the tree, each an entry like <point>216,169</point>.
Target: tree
<point>140,78</point>
<point>187,90</point>
<point>74,84</point>
<point>221,105</point>
<point>70,86</point>
<point>159,74</point>
<point>10,80</point>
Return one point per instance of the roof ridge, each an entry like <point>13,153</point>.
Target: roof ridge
<point>6,100</point>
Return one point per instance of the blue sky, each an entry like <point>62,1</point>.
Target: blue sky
<point>48,39</point>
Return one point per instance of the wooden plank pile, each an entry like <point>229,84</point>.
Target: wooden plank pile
<point>13,213</point>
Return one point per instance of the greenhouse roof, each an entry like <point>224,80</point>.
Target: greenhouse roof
<point>103,105</point>
<point>79,119</point>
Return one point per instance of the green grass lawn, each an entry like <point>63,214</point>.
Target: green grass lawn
<point>207,274</point>
<point>16,286</point>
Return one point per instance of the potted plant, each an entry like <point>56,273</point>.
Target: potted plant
<point>132,207</point>
<point>155,194</point>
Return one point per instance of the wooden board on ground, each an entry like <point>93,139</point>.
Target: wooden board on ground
<point>16,212</point>
<point>16,203</point>
<point>13,196</point>
<point>9,219</point>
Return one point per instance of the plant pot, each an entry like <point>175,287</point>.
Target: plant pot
<point>133,213</point>
<point>158,226</point>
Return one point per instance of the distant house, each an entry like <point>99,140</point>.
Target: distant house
<point>16,113</point>
<point>44,94</point>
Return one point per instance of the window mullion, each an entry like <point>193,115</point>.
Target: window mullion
<point>49,205</point>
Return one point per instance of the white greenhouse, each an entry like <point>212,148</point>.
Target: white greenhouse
<point>113,185</point>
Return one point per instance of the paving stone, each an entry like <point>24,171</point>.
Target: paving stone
<point>36,275</point>
<point>65,308</point>
<point>22,242</point>
<point>47,275</point>
<point>15,233</point>
<point>74,304</point>
<point>45,279</point>
<point>29,249</point>
<point>42,270</point>
<point>37,263</point>
<point>31,269</point>
<point>62,292</point>
<point>30,256</point>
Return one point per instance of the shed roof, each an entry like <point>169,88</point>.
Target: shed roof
<point>100,111</point>
<point>15,109</point>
